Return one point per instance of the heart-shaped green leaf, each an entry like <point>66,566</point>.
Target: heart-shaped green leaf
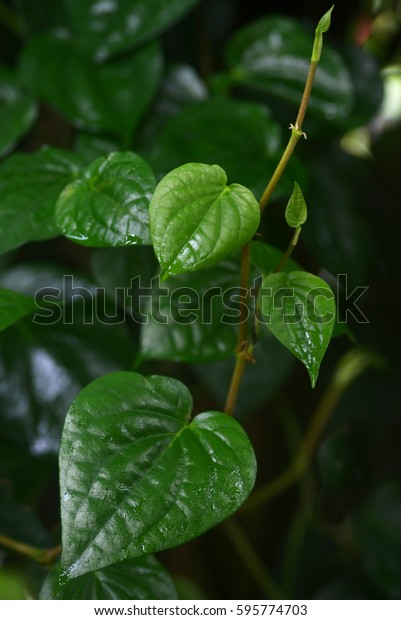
<point>108,205</point>
<point>299,309</point>
<point>13,306</point>
<point>196,219</point>
<point>136,477</point>
<point>29,187</point>
<point>139,579</point>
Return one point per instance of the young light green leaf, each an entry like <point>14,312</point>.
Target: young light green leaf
<point>196,219</point>
<point>296,212</point>
<point>29,187</point>
<point>137,477</point>
<point>137,580</point>
<point>324,23</point>
<point>323,26</point>
<point>13,306</point>
<point>108,205</point>
<point>299,309</point>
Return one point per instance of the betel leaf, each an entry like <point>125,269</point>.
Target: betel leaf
<point>196,219</point>
<point>299,309</point>
<point>296,212</point>
<point>29,187</point>
<point>376,528</point>
<point>192,317</point>
<point>109,204</point>
<point>139,579</point>
<point>136,477</point>
<point>110,97</point>
<point>273,55</point>
<point>17,110</point>
<point>13,306</point>
<point>239,136</point>
<point>107,28</point>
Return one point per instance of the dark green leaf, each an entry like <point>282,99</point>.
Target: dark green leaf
<point>180,86</point>
<point>136,477</point>
<point>13,306</point>
<point>192,317</point>
<point>44,364</point>
<point>17,110</point>
<point>138,580</point>
<point>240,137</point>
<point>196,219</point>
<point>299,309</point>
<point>296,212</point>
<point>105,29</point>
<point>108,205</point>
<point>376,526</point>
<point>29,188</point>
<point>90,146</point>
<point>273,55</point>
<point>110,97</point>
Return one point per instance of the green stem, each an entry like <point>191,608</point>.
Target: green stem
<point>46,557</point>
<point>252,561</point>
<point>289,250</point>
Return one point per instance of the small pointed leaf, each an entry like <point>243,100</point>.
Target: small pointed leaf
<point>108,205</point>
<point>296,213</point>
<point>196,219</point>
<point>136,477</point>
<point>324,23</point>
<point>299,309</point>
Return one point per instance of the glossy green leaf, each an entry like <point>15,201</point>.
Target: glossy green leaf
<point>29,187</point>
<point>17,110</point>
<point>109,204</point>
<point>135,580</point>
<point>273,55</point>
<point>196,219</point>
<point>136,477</point>
<point>220,129</point>
<point>13,306</point>
<point>110,97</point>
<point>376,527</point>
<point>299,309</point>
<point>192,317</point>
<point>105,29</point>
<point>44,364</point>
<point>296,212</point>
<point>91,146</point>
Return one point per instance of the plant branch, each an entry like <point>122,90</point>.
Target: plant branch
<point>252,561</point>
<point>46,557</point>
<point>289,250</point>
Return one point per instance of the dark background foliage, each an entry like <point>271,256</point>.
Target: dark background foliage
<point>335,533</point>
